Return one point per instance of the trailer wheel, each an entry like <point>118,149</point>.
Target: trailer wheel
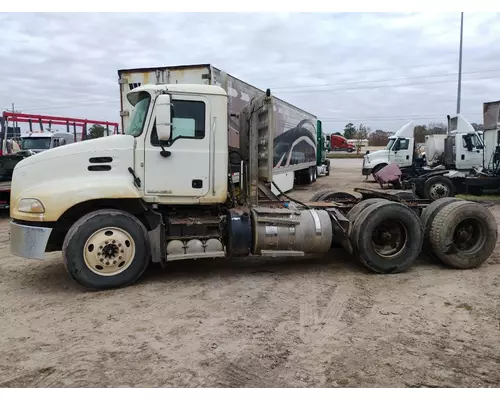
<point>437,187</point>
<point>427,218</point>
<point>463,234</point>
<point>387,237</point>
<point>106,249</point>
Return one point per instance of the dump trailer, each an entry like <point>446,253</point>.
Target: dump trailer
<point>162,193</point>
<point>295,144</point>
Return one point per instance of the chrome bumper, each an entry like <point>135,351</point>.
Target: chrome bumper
<point>28,241</point>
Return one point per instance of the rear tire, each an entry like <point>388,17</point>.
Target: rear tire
<point>387,237</point>
<point>463,234</point>
<point>106,249</point>
<point>438,187</point>
<point>352,215</point>
<point>427,219</point>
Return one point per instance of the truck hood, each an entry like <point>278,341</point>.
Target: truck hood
<point>75,173</point>
<point>106,144</point>
<point>377,154</point>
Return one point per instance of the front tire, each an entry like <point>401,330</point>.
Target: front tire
<point>106,249</point>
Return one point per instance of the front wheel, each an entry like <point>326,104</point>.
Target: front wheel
<point>106,249</point>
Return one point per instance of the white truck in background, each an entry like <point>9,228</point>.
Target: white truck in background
<point>399,149</point>
<point>467,151</point>
<point>297,158</point>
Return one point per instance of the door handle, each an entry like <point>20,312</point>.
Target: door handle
<point>197,183</point>
<point>407,157</point>
<point>478,151</point>
<point>463,157</point>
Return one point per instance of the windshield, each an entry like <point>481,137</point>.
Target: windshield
<point>389,145</point>
<point>35,143</point>
<point>139,115</point>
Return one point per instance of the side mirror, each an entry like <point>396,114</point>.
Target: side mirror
<point>163,113</point>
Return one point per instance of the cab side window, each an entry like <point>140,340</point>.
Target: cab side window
<point>188,121</point>
<point>402,144</point>
<point>471,140</point>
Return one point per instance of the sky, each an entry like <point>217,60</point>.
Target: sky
<point>378,69</point>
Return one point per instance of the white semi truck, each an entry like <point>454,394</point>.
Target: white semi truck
<point>471,160</point>
<point>467,154</point>
<point>161,193</point>
<point>299,149</point>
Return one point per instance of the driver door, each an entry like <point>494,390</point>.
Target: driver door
<point>184,171</point>
<point>401,152</point>
<point>471,154</point>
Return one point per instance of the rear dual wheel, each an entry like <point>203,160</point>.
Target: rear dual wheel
<point>385,236</point>
<point>461,234</point>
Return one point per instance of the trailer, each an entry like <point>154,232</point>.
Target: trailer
<point>41,135</point>
<point>154,195</point>
<point>297,156</point>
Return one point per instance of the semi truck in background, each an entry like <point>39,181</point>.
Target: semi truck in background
<point>299,149</point>
<point>471,160</point>
<point>465,154</point>
<point>340,143</point>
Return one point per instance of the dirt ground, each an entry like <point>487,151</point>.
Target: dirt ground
<point>315,322</point>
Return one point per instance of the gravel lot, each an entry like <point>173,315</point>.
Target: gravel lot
<point>314,322</point>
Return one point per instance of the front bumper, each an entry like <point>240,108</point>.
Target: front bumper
<point>28,241</point>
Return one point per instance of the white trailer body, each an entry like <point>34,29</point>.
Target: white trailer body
<point>295,141</point>
<point>434,149</point>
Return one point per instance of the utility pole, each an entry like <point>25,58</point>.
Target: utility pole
<point>459,92</point>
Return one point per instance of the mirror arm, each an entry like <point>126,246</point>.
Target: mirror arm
<point>163,152</point>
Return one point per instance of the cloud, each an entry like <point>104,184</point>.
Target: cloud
<point>379,69</point>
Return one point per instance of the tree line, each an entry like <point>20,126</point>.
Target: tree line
<point>380,137</point>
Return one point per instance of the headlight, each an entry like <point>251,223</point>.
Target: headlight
<point>31,206</point>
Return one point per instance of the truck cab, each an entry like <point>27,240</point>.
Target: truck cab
<point>340,143</point>
<point>36,142</point>
<point>464,147</point>
<point>400,149</point>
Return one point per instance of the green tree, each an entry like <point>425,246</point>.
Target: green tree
<point>349,131</point>
<point>477,127</point>
<point>420,133</point>
<point>437,128</point>
<point>96,131</point>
